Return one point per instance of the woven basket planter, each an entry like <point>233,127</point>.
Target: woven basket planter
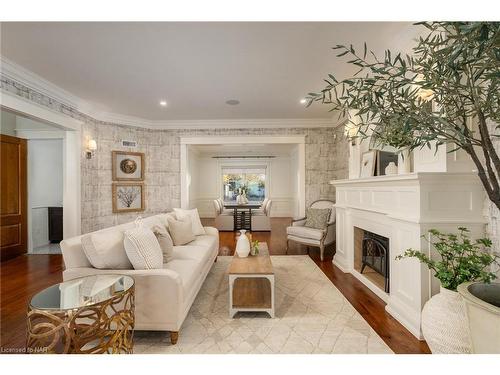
<point>444,324</point>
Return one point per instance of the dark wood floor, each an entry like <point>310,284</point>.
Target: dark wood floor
<point>23,276</point>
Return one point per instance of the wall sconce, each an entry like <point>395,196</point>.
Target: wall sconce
<point>91,147</point>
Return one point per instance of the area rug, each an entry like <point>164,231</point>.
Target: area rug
<point>312,316</point>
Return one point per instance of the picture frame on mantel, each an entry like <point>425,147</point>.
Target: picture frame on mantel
<point>367,164</point>
<point>127,166</point>
<point>128,197</point>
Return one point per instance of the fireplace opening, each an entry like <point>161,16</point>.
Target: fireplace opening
<point>371,257</point>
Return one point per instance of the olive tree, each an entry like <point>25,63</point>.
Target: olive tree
<point>445,92</point>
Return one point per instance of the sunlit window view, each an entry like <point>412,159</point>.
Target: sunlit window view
<point>250,181</point>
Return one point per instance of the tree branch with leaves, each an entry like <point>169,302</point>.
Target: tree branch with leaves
<point>445,92</point>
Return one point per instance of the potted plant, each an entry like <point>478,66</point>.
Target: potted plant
<point>454,66</point>
<point>482,301</point>
<point>444,321</point>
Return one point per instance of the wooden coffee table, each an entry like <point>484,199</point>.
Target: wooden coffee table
<point>251,283</point>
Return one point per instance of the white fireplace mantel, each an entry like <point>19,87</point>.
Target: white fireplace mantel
<point>403,208</point>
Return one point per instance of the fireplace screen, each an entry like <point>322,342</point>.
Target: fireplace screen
<point>375,254</point>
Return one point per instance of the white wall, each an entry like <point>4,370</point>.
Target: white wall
<point>45,184</point>
<point>206,184</point>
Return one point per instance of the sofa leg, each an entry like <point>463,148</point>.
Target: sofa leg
<point>287,241</point>
<point>321,251</point>
<point>174,336</point>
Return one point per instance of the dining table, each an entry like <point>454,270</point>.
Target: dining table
<point>242,213</point>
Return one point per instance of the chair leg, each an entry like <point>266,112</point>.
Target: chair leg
<point>321,251</point>
<point>287,244</point>
<point>174,336</point>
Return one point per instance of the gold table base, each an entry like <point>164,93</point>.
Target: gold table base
<point>106,327</point>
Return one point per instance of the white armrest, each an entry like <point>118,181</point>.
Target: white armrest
<point>211,231</point>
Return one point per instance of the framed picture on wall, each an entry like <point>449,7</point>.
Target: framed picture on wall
<point>368,164</point>
<point>127,166</point>
<point>128,197</point>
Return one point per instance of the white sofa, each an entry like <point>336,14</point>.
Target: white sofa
<point>163,297</point>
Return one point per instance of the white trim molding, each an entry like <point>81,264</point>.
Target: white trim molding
<point>72,147</point>
<point>17,73</point>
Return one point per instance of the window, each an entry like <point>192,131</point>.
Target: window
<point>252,180</point>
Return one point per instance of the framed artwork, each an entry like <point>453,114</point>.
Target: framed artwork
<point>127,166</point>
<point>368,164</point>
<point>383,160</point>
<point>128,197</point>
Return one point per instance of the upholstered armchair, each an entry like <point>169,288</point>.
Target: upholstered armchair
<point>224,220</point>
<point>312,236</point>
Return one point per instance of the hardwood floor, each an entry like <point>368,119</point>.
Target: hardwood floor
<point>25,275</point>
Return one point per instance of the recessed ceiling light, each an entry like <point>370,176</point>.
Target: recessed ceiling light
<point>163,103</point>
<point>232,102</point>
<point>303,101</point>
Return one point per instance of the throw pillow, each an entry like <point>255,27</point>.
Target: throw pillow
<point>143,249</point>
<point>181,231</point>
<point>317,218</point>
<point>105,250</point>
<point>165,241</point>
<point>195,219</point>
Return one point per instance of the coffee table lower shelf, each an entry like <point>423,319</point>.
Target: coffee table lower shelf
<point>251,293</point>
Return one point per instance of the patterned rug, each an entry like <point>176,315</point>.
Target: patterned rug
<point>312,316</point>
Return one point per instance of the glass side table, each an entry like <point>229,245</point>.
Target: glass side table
<point>88,315</point>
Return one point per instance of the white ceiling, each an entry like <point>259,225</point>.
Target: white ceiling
<point>243,150</point>
<point>126,68</point>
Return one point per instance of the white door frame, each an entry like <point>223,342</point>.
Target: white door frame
<point>72,148</point>
<point>262,139</point>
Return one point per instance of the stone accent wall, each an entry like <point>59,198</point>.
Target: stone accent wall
<point>326,159</point>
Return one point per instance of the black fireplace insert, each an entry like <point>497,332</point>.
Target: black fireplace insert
<point>375,254</point>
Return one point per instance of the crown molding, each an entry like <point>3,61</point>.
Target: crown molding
<point>39,84</point>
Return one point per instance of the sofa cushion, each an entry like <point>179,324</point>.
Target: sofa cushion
<point>204,240</point>
<point>198,253</point>
<point>181,231</point>
<point>105,250</point>
<point>165,241</point>
<point>143,249</point>
<point>317,217</point>
<point>305,232</point>
<point>194,216</point>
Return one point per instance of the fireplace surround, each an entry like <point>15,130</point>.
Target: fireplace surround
<point>403,208</point>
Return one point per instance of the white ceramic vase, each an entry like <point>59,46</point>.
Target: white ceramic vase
<point>444,324</point>
<point>482,303</point>
<point>243,244</point>
<point>404,162</point>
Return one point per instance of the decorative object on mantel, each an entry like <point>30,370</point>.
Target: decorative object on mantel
<point>456,60</point>
<point>444,321</point>
<point>384,158</point>
<point>404,162</point>
<point>243,244</point>
<point>128,197</point>
<point>391,169</point>
<point>482,303</point>
<point>127,166</point>
<point>367,164</point>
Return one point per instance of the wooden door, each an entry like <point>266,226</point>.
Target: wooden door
<point>14,197</point>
